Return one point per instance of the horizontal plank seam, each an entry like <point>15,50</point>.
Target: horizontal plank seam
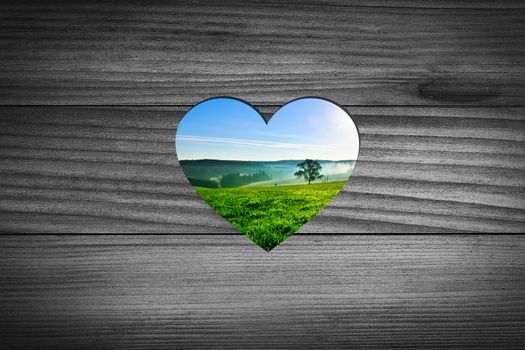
<point>195,198</point>
<point>226,223</point>
<point>343,192</point>
<point>354,177</point>
<point>362,161</point>
<point>115,152</point>
<point>495,106</point>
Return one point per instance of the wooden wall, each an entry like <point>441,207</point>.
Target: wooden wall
<point>90,98</point>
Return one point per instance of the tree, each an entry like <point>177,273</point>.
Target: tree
<point>310,170</point>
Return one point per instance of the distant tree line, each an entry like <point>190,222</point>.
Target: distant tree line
<point>203,182</point>
<point>230,180</point>
<point>238,179</point>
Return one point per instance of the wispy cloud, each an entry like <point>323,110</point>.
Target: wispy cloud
<point>273,134</point>
<point>257,143</point>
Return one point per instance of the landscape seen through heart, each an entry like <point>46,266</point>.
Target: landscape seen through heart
<point>267,180</point>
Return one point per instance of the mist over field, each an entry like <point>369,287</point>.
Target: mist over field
<point>213,173</point>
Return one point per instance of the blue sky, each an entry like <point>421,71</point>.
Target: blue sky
<point>229,129</point>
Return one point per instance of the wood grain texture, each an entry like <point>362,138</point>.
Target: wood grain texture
<point>437,89</point>
<point>165,52</point>
<point>114,169</point>
<point>223,292</point>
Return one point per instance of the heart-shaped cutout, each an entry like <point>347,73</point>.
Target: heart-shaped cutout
<point>267,179</point>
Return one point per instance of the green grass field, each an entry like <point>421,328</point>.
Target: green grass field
<point>269,215</point>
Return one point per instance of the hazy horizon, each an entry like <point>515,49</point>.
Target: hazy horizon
<point>230,130</point>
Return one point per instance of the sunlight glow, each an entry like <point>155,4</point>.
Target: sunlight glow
<point>229,129</point>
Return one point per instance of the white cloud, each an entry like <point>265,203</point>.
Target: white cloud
<point>257,143</point>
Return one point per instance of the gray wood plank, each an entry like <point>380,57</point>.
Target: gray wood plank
<point>224,292</point>
<point>114,169</point>
<point>360,53</point>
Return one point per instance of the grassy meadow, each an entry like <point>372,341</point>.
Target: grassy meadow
<point>268,215</point>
